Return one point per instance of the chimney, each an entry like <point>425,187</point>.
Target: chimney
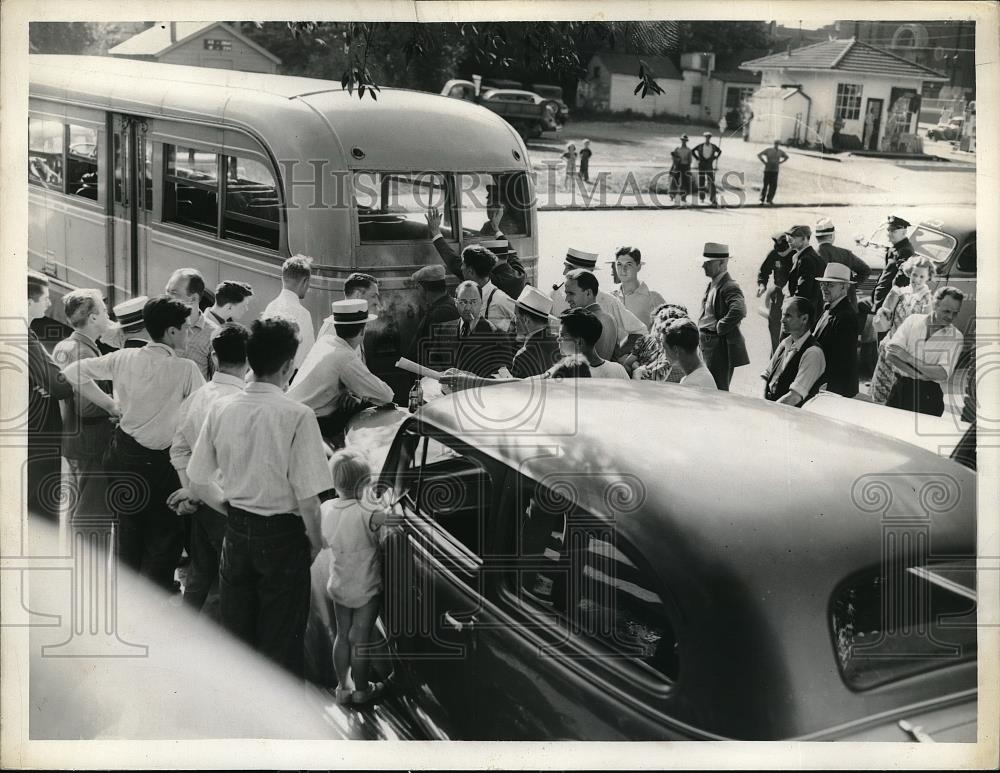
<point>173,32</point>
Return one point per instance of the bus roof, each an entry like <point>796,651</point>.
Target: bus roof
<point>402,130</point>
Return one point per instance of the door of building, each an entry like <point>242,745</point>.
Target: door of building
<point>873,123</point>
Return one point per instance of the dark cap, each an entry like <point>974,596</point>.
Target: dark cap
<point>898,222</point>
<point>800,230</point>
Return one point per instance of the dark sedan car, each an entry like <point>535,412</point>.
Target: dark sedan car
<point>576,561</point>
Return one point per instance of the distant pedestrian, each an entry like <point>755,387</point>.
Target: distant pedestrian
<point>585,154</point>
<point>896,254</point>
<point>632,292</point>
<point>746,116</point>
<point>925,351</point>
<point>570,156</point>
<point>795,372</point>
<point>296,274</point>
<point>680,345</point>
<point>680,172</point>
<point>707,155</point>
<point>350,526</point>
<point>775,269</point>
<point>899,304</point>
<point>722,310</point>
<point>772,158</point>
<point>836,332</point>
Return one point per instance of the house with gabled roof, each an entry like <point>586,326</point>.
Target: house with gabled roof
<point>610,82</point>
<point>839,94</point>
<point>202,44</point>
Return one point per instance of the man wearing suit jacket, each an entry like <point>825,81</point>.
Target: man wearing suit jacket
<point>540,349</point>
<point>46,387</point>
<point>807,266</point>
<point>895,256</point>
<point>723,308</point>
<point>479,346</point>
<point>837,332</point>
<point>831,254</point>
<point>438,307</point>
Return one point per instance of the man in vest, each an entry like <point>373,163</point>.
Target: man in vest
<point>797,365</point>
<point>707,156</point>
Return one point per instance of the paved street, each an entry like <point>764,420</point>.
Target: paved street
<point>671,243</point>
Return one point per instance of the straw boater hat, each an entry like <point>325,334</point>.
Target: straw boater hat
<point>836,272</point>
<point>534,302</point>
<point>581,259</point>
<point>824,227</point>
<point>714,251</point>
<point>351,312</point>
<point>129,314</point>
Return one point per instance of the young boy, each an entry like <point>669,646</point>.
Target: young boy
<point>585,154</point>
<point>150,384</point>
<point>267,450</point>
<point>570,156</point>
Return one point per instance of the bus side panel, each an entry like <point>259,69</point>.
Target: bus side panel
<point>85,233</point>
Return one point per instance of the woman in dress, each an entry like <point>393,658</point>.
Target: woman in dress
<point>900,304</point>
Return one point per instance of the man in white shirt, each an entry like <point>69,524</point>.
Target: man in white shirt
<point>633,293</point>
<point>579,332</point>
<point>150,384</point>
<point>581,288</point>
<point>924,351</point>
<point>334,367</point>
<point>231,302</point>
<point>498,307</point>
<point>207,525</point>
<point>796,370</point>
<point>296,273</point>
<point>365,287</point>
<point>680,347</point>
<point>187,286</point>
<point>268,453</point>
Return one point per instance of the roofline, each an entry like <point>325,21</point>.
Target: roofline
<point>758,64</point>
<point>243,38</point>
<point>903,59</point>
<point>842,54</point>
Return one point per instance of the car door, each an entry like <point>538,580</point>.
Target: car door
<point>445,492</point>
<point>575,641</point>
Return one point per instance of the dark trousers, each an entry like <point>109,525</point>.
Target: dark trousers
<point>208,528</point>
<point>716,355</point>
<point>149,532</point>
<point>264,584</point>
<point>916,395</point>
<point>706,182</point>
<point>774,318</point>
<point>585,170</point>
<point>45,485</point>
<point>770,186</point>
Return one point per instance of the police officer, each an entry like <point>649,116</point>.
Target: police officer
<point>895,255</point>
<point>707,156</point>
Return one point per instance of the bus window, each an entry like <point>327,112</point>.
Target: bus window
<point>45,152</point>
<point>191,188</point>
<point>392,205</point>
<point>252,205</point>
<point>480,193</point>
<point>81,162</point>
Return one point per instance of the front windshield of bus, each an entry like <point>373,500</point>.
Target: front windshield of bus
<point>486,197</point>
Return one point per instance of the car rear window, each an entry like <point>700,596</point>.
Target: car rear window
<point>935,245</point>
<point>892,625</point>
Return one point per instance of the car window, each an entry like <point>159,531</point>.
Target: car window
<point>448,485</point>
<point>967,260</point>
<point>577,568</point>
<point>917,619</point>
<point>935,245</point>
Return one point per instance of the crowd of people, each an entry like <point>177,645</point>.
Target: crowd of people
<point>219,427</point>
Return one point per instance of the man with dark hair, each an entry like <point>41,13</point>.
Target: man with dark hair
<point>231,301</point>
<point>498,307</point>
<point>267,450</point>
<point>581,293</point>
<point>334,368</point>
<point>634,294</point>
<point>46,387</point>
<point>296,274</point>
<point>151,383</point>
<point>87,427</point>
<point>437,308</point>
<point>707,155</point>
<point>807,266</point>
<point>579,333</point>
<point>679,342</point>
<point>187,285</point>
<point>479,347</point>
<point>795,372</point>
<point>775,267</point>
<point>229,345</point>
<point>722,310</point>
<point>837,330</point>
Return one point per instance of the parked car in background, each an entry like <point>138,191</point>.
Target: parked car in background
<point>529,113</point>
<point>555,93</point>
<point>546,580</point>
<point>950,130</point>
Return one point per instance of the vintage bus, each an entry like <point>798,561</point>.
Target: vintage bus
<point>138,168</point>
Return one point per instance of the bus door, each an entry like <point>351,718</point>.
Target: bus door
<point>131,206</point>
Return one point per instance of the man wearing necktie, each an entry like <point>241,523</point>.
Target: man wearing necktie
<point>795,372</point>
<point>722,310</point>
<point>837,331</point>
<point>482,348</point>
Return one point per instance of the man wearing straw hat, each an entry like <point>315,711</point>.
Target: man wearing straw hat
<point>539,349</point>
<point>837,331</point>
<point>723,308</point>
<point>830,253</point>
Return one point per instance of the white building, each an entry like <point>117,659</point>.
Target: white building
<point>611,80</point>
<point>868,96</point>
<point>202,44</point>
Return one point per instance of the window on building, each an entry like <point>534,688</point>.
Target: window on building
<point>191,188</point>
<point>696,95</point>
<point>215,44</point>
<point>737,95</point>
<point>577,568</point>
<point>252,208</point>
<point>848,105</point>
